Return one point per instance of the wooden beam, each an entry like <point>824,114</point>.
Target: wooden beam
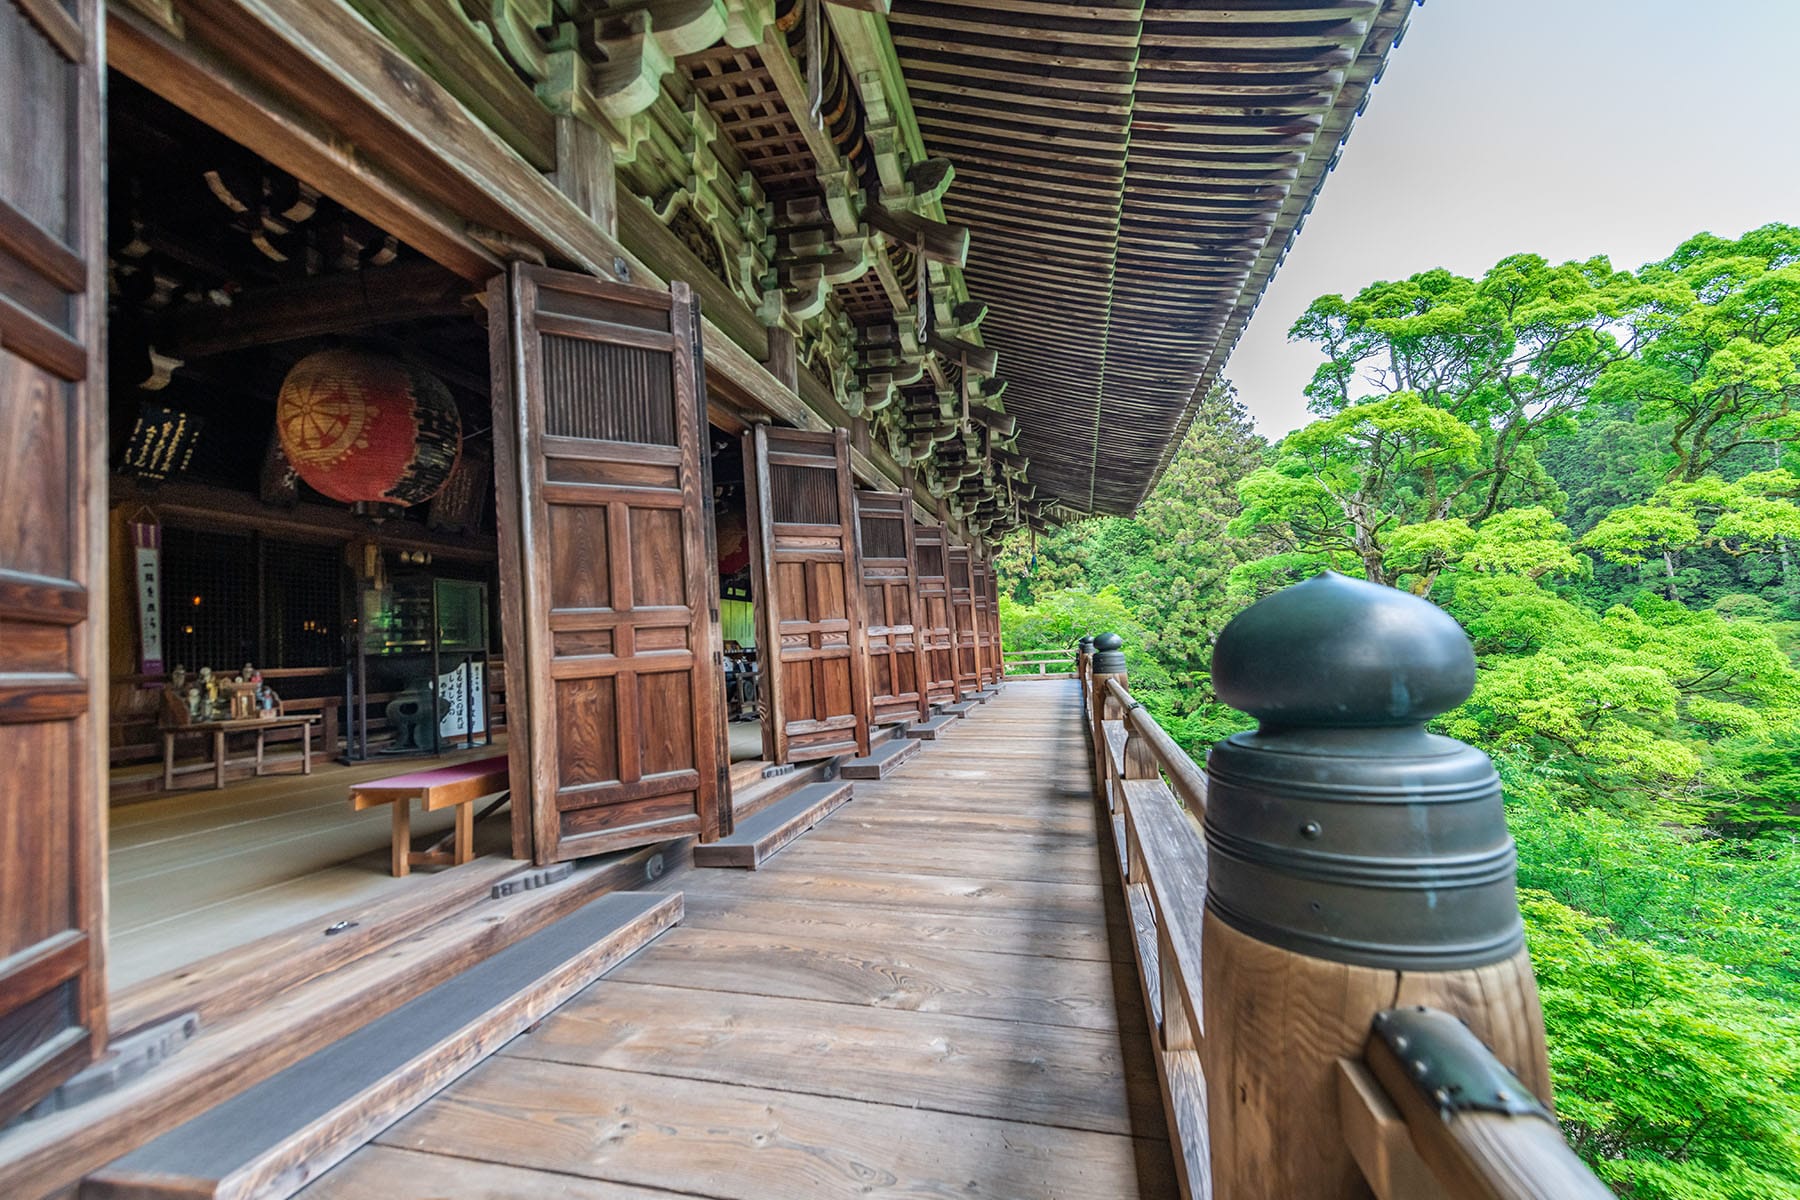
<point>318,306</point>
<point>212,89</point>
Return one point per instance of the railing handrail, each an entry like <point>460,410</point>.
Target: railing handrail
<point>1475,1129</point>
<point>1186,778</point>
<point>1407,1143</point>
<point>1034,664</point>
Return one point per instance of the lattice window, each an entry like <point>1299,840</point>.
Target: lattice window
<point>883,537</point>
<point>804,495</point>
<point>613,393</point>
<point>233,599</point>
<point>740,93</point>
<point>302,605</point>
<point>209,600</point>
<point>865,299</point>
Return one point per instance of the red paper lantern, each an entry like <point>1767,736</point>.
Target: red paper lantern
<point>367,429</point>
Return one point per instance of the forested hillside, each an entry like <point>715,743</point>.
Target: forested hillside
<point>1596,472</point>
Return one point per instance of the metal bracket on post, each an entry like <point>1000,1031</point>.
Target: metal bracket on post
<point>1450,1066</point>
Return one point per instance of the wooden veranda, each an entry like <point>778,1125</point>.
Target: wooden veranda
<point>931,993</point>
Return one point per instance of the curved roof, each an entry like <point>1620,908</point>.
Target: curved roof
<point>1132,175</point>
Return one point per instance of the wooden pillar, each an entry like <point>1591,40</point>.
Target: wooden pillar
<point>584,171</point>
<point>1355,863</point>
<point>784,358</point>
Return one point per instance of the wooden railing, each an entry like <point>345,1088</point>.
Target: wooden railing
<point>1406,1143</point>
<point>1039,664</point>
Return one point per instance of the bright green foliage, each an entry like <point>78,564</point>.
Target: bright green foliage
<point>1754,514</point>
<point>1596,474</point>
<point>1720,366</point>
<point>1347,485</point>
<point>1626,702</point>
<point>1673,1080</point>
<point>1171,565</point>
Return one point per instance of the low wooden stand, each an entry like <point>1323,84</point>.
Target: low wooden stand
<point>457,786</point>
<point>218,729</point>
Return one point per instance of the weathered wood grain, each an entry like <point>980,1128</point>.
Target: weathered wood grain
<point>857,1032</point>
<point>1073,1079</point>
<point>53,453</point>
<point>1065,865</point>
<point>810,622</point>
<point>274,1137</point>
<point>950,894</point>
<point>1021,933</point>
<point>730,1141</point>
<point>602,475</point>
<point>1073,992</point>
<point>384,1173</point>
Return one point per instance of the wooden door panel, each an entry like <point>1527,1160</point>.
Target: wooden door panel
<point>937,618</point>
<point>603,478</point>
<point>809,610</point>
<point>981,577</point>
<point>962,607</point>
<point>890,585</point>
<point>52,506</point>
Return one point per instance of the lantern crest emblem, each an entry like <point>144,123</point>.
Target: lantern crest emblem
<point>365,428</point>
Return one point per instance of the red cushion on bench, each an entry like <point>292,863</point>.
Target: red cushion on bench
<point>438,776</point>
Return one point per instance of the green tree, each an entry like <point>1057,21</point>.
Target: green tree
<point>1720,362</point>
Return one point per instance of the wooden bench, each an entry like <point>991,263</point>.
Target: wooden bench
<point>457,786</point>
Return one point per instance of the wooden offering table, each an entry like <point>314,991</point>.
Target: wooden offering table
<point>457,786</point>
<point>218,729</point>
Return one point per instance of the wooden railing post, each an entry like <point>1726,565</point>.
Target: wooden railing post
<point>1107,662</point>
<point>1084,665</point>
<point>1355,863</point>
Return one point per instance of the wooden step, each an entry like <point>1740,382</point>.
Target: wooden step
<point>770,790</point>
<point>882,759</point>
<point>959,709</point>
<point>298,1012</point>
<point>985,694</point>
<point>270,1141</point>
<point>762,835</point>
<point>931,730</point>
<point>238,979</point>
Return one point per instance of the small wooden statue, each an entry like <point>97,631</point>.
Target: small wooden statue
<point>174,698</point>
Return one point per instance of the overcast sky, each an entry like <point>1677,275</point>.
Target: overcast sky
<point>1565,128</point>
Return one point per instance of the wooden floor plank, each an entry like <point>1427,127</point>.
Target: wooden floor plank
<point>1000,987</point>
<point>743,1143</point>
<point>930,995</point>
<point>867,925</point>
<point>1023,863</point>
<point>895,818</point>
<point>385,1173</point>
<point>1073,1079</point>
<point>925,893</point>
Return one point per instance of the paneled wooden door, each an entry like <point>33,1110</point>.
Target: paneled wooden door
<point>607,589</point>
<point>809,607</point>
<point>982,574</point>
<point>996,647</point>
<point>962,606</point>
<point>52,546</point>
<point>890,585</point>
<point>937,619</point>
